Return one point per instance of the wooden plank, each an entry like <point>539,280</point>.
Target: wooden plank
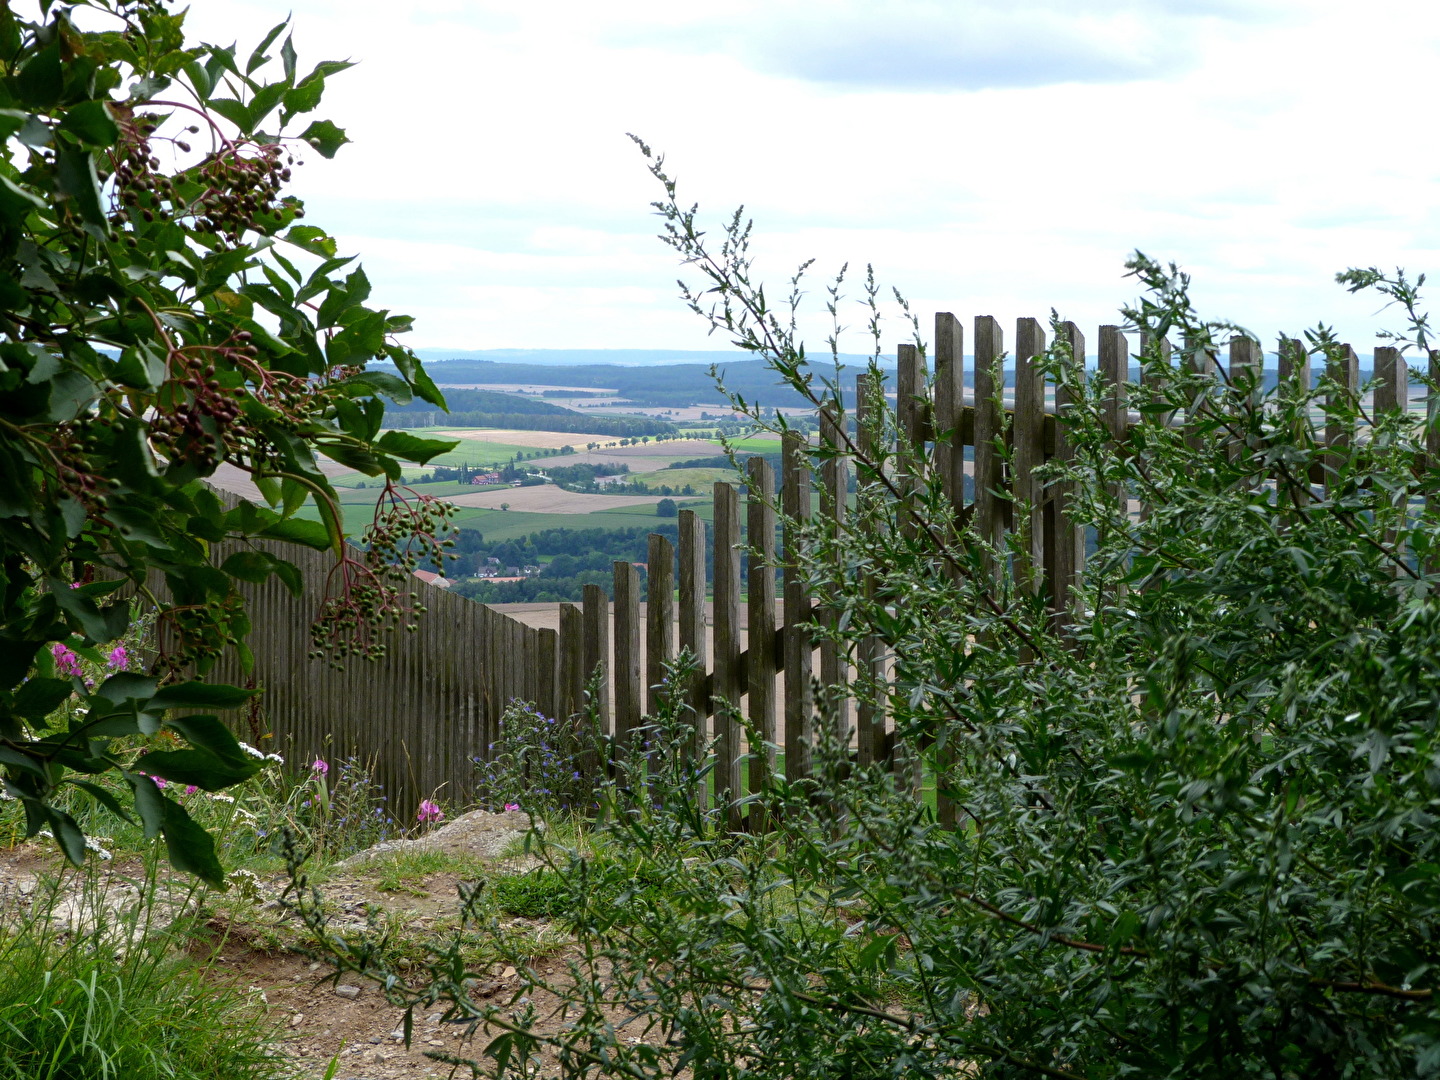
<point>949,404</point>
<point>834,480</point>
<point>629,695</point>
<point>869,716</point>
<point>1029,450</point>
<point>1344,371</point>
<point>761,661</point>
<point>572,662</point>
<point>596,612</point>
<point>692,613</point>
<point>909,413</point>
<point>726,686</point>
<point>1064,539</point>
<point>989,521</point>
<point>1432,440</point>
<point>659,616</point>
<point>1247,368</point>
<point>1392,381</point>
<point>799,704</point>
<point>545,660</point>
<point>1114,372</point>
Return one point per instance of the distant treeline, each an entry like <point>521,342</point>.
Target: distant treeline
<point>560,420</point>
<point>488,401</point>
<point>720,461</point>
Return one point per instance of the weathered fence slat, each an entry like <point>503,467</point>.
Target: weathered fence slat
<point>869,716</point>
<point>726,685</point>
<point>760,611</point>
<point>596,613</point>
<point>692,615</point>
<point>1028,435</point>
<point>1064,540</point>
<point>989,516</point>
<point>629,696</point>
<point>659,615</point>
<point>799,701</point>
<point>1344,371</point>
<point>949,406</point>
<point>834,667</point>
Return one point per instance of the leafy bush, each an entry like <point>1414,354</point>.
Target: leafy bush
<point>156,328</point>
<point>538,764</point>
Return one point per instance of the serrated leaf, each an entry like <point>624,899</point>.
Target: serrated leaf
<point>414,448</point>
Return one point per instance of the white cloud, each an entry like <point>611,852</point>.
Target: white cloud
<point>493,194</point>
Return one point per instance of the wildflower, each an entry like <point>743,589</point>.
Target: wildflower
<point>66,662</point>
<point>190,789</point>
<point>429,812</point>
<point>118,658</point>
<point>252,751</point>
<point>276,758</point>
<point>512,806</point>
<point>159,781</point>
<point>93,843</point>
<point>220,796</point>
<point>319,767</point>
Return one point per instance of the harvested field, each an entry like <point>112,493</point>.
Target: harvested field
<point>549,499</point>
<point>539,440</point>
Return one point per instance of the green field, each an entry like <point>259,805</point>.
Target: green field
<point>757,444</point>
<point>497,525</point>
<point>677,478</point>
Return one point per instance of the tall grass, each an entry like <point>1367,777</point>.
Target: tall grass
<point>113,998</point>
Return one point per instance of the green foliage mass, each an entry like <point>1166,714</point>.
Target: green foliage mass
<point>163,311</point>
<point>1194,801</point>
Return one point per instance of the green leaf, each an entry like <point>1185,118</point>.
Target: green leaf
<point>38,698</point>
<point>191,848</point>
<point>258,57</point>
<point>312,239</point>
<point>325,137</point>
<point>41,81</point>
<point>104,798</point>
<point>149,803</point>
<point>90,122</point>
<point>237,112</point>
<point>299,531</point>
<point>67,835</point>
<point>251,566</point>
<point>265,101</point>
<point>414,447</point>
<point>199,767</point>
<point>126,686</point>
<point>208,733</point>
<point>287,55</point>
<point>200,695</point>
<point>75,178</point>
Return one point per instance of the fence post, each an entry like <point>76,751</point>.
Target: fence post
<point>949,407</point>
<point>725,689</point>
<point>659,615</point>
<point>1199,361</point>
<point>1029,452</point>
<point>1392,386</point>
<point>1065,540</point>
<point>989,347</point>
<point>795,492</point>
<point>834,476</point>
<point>572,662</point>
<point>1432,437</point>
<point>1344,371</point>
<point>596,612</point>
<point>628,686</point>
<point>869,716</point>
<point>760,667</point>
<point>692,615</point>
<point>1114,369</point>
<point>546,671</point>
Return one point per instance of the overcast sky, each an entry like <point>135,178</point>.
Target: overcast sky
<point>987,157</point>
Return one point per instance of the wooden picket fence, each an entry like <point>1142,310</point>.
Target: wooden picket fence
<point>425,714</point>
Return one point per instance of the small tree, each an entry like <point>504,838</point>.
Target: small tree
<point>164,311</point>
<point>666,508</point>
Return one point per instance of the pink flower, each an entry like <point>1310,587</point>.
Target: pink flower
<point>159,781</point>
<point>66,662</point>
<point>512,806</point>
<point>118,657</point>
<point>429,812</point>
<point>190,789</point>
<point>320,768</point>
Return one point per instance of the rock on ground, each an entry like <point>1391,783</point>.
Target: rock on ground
<point>478,833</point>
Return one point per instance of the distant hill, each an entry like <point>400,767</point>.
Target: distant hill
<point>621,357</point>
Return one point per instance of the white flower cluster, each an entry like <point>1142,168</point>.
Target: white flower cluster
<point>276,758</point>
<point>92,843</point>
